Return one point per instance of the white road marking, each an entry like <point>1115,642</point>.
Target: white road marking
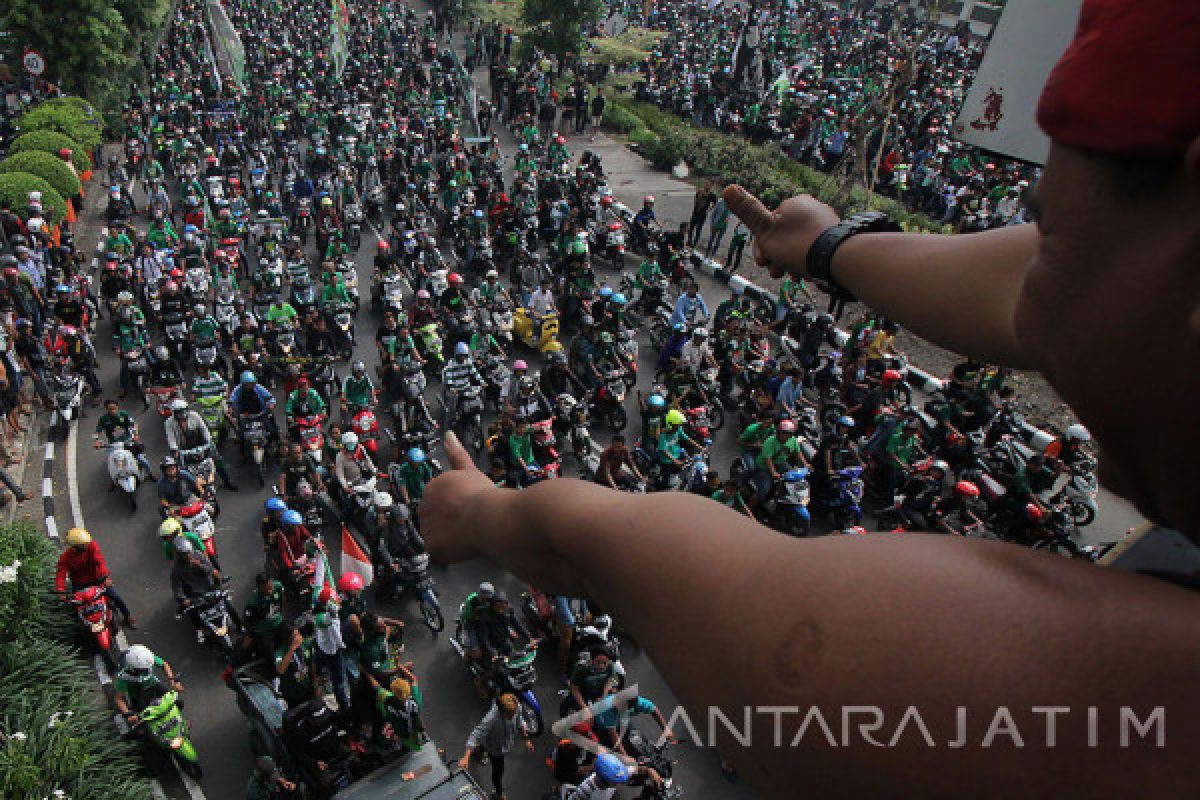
<point>49,456</point>
<point>47,487</point>
<point>122,642</point>
<point>72,482</point>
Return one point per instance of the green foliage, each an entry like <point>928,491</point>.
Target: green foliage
<point>630,47</point>
<point>48,167</point>
<point>54,733</point>
<point>764,170</point>
<point>64,119</point>
<point>51,142</point>
<point>91,46</point>
<point>620,120</point>
<point>15,188</point>
<point>557,26</point>
<point>505,12</point>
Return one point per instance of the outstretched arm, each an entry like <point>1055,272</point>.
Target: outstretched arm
<point>957,291</point>
<point>737,616</point>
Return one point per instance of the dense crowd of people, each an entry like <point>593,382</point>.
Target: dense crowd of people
<point>229,293</point>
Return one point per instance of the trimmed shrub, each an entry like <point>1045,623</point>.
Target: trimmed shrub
<point>620,120</point>
<point>64,119</point>
<point>15,188</point>
<point>51,142</point>
<point>50,168</point>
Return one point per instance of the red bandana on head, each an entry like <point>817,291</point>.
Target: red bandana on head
<point>1129,82</point>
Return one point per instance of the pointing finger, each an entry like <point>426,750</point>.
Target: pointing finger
<point>749,209</point>
<point>456,454</point>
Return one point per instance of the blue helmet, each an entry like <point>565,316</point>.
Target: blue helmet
<point>611,769</point>
<point>606,291</point>
<point>848,421</point>
<point>619,298</point>
<point>462,349</point>
<point>656,401</point>
<point>248,378</point>
<point>275,504</point>
<point>416,455</point>
<point>62,287</point>
<point>292,518</point>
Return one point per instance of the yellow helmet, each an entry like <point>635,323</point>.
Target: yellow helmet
<point>170,528</point>
<point>675,418</point>
<point>78,537</point>
<point>401,688</point>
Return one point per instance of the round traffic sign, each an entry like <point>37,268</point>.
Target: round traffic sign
<point>34,62</point>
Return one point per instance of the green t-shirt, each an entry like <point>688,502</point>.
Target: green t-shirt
<point>415,477</point>
<point>756,433</point>
<point>264,612</point>
<point>375,654</point>
<point>901,445</point>
<point>295,684</point>
<point>590,681</point>
<point>116,426</point>
<point>281,313</point>
<point>778,452</point>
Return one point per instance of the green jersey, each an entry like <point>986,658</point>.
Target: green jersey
<point>281,313</point>
<point>119,426</point>
<point>414,478</point>
<point>778,453</point>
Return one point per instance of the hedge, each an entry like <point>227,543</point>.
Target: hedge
<point>51,142</point>
<point>765,170</point>
<point>66,119</point>
<point>50,168</point>
<point>55,735</point>
<point>15,188</point>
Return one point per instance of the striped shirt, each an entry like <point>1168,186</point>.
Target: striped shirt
<point>209,386</point>
<point>458,375</point>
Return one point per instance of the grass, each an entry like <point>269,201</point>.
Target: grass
<point>505,12</point>
<point>631,47</point>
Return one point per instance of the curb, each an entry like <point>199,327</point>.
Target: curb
<point>22,467</point>
<point>48,492</point>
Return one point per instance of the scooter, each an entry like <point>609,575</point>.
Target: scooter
<point>164,723</point>
<point>124,470</point>
<point>515,673</point>
<point>414,575</point>
<point>366,425</point>
<point>196,519</point>
<point>96,614</point>
<point>68,400</point>
<point>788,506</point>
<point>254,438</point>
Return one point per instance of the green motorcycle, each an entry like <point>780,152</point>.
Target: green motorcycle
<point>163,722</point>
<point>212,411</point>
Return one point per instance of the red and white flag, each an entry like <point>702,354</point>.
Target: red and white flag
<point>354,559</point>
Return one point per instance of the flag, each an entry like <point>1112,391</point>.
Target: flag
<point>339,23</point>
<point>323,576</point>
<point>354,559</point>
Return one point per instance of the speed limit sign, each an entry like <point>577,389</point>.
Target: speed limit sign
<point>35,62</point>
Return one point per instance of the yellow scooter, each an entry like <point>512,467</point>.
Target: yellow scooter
<point>546,341</point>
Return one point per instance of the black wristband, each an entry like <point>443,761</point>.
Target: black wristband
<point>819,263</point>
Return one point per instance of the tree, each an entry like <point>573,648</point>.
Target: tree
<point>557,26</point>
<point>85,43</point>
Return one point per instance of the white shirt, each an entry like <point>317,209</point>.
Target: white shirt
<point>694,355</point>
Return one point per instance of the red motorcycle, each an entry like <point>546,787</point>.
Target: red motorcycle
<point>545,450</point>
<point>366,425</point>
<point>311,436</point>
<point>97,615</point>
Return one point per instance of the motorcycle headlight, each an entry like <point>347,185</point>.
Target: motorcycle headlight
<point>97,627</point>
<point>221,631</point>
<point>176,743</point>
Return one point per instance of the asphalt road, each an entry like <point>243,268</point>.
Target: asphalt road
<point>136,561</point>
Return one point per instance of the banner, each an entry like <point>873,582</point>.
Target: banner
<point>339,25</point>
<point>999,112</point>
<point>354,559</point>
<point>226,44</point>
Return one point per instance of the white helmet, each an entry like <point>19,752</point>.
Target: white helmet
<point>178,404</point>
<point>139,657</point>
<point>383,501</point>
<point>1078,433</point>
<point>349,440</point>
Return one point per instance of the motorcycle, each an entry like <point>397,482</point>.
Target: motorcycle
<point>607,401</point>
<point>165,725</point>
<point>196,518</point>
<point>344,335</point>
<point>207,353</point>
<point>212,410</point>
<point>97,615</point>
<point>175,329</point>
<point>1079,493</point>
<point>139,370</point>
<point>124,470</point>
<point>429,342</point>
<point>844,502</point>
<point>544,341</point>
<point>787,508</point>
<point>254,435</point>
<point>354,222</point>
<point>514,673</point>
<point>468,417</point>
<point>545,451</point>
<point>309,433</point>
<point>366,425</point>
<point>614,244</point>
<point>217,619</point>
<point>163,397</point>
<point>391,294</point>
<point>68,399</point>
<point>414,575</point>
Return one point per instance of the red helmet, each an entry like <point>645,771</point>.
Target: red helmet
<point>787,426</point>
<point>965,489</point>
<point>350,582</point>
<point>891,376</point>
<point>171,286</point>
<point>110,265</point>
<point>302,382</point>
<point>606,201</point>
<point>560,140</point>
<point>1033,512</point>
<point>326,594</point>
<point>454,279</point>
<point>176,273</point>
<point>383,245</point>
<point>11,272</point>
